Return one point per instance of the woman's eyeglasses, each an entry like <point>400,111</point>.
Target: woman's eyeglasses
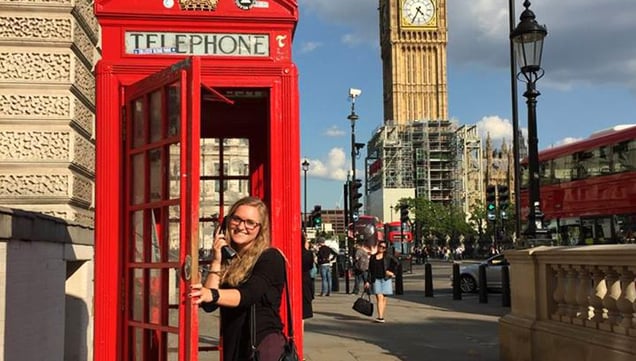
<point>249,224</point>
<point>382,246</point>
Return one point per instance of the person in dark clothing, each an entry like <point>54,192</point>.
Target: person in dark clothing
<point>255,276</point>
<point>307,265</point>
<point>326,257</point>
<point>382,268</point>
<point>361,266</point>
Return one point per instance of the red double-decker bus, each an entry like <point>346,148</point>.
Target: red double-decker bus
<point>588,188</point>
<point>400,236</point>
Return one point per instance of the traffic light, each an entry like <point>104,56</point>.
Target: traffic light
<point>503,197</point>
<point>355,194</point>
<point>316,216</point>
<point>404,213</point>
<point>491,202</point>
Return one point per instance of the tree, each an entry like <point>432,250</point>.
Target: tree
<point>439,220</point>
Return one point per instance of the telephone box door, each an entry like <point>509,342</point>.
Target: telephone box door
<point>162,128</point>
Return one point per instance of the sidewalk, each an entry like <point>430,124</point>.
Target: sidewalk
<point>417,328</point>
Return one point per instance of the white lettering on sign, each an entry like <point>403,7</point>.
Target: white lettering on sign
<point>255,45</point>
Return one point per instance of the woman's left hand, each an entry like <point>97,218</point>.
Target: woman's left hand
<point>199,294</point>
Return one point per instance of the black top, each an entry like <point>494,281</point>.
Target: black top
<point>264,288</point>
<point>326,254</point>
<point>378,267</point>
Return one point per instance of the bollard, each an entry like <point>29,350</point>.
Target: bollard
<point>483,285</point>
<point>335,281</point>
<point>505,286</point>
<point>399,285</point>
<point>457,291</point>
<point>428,280</point>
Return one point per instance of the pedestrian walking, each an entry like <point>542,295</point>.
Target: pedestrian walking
<point>360,267</point>
<point>382,269</point>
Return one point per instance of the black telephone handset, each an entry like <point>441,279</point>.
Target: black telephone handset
<point>227,252</point>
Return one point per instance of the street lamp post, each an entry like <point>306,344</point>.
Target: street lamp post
<point>527,39</point>
<point>305,166</point>
<point>353,94</point>
<point>515,123</point>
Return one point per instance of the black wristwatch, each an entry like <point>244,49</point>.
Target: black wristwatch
<point>215,295</point>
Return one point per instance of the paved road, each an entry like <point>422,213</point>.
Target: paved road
<point>417,328</point>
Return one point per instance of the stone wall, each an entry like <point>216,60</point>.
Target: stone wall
<point>46,288</point>
<point>571,303</point>
<point>48,49</point>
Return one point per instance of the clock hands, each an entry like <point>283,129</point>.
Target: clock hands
<point>418,10</point>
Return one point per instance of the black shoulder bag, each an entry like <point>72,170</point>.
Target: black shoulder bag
<point>289,350</point>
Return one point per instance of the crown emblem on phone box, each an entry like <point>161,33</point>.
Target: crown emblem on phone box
<point>198,4</point>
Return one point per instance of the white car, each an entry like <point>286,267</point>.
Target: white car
<point>469,274</point>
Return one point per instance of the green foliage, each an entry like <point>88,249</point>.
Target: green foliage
<point>437,219</point>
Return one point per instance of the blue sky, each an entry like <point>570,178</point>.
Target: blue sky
<point>589,59</point>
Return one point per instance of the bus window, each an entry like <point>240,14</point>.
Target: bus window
<point>562,168</point>
<point>624,156</point>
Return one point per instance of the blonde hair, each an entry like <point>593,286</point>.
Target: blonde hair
<point>239,269</point>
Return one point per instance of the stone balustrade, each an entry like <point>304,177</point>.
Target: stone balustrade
<point>571,303</point>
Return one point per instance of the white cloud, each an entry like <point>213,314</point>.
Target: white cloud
<point>567,140</point>
<point>335,131</point>
<point>495,126</point>
<point>359,16</point>
<point>334,167</point>
<point>575,52</point>
<point>309,46</point>
<point>351,39</point>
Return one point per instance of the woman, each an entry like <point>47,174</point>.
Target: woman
<point>307,265</point>
<point>255,276</point>
<point>382,268</point>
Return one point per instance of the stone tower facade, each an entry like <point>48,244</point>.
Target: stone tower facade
<point>413,38</point>
<point>499,165</point>
<point>47,107</point>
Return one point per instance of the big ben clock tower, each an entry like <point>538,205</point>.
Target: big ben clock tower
<point>413,38</point>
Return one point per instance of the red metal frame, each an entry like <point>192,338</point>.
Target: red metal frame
<point>274,161</point>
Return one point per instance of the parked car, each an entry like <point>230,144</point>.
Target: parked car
<point>469,274</point>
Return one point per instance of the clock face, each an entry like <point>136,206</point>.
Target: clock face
<point>417,12</point>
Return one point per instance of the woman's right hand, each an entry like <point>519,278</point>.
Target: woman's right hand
<point>199,294</point>
<point>219,243</point>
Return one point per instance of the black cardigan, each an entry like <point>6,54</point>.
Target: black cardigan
<point>264,288</point>
<point>377,267</point>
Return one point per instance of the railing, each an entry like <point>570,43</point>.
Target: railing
<point>600,297</point>
<point>571,298</point>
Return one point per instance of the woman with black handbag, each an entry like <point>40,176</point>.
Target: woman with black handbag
<point>251,280</point>
<point>382,268</point>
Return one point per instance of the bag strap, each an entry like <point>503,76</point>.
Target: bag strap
<point>368,293</point>
<point>253,328</point>
<point>290,328</point>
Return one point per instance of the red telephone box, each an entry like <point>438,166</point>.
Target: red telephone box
<point>197,106</point>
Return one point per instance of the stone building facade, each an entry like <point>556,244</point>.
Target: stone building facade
<point>47,107</point>
<point>48,49</point>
